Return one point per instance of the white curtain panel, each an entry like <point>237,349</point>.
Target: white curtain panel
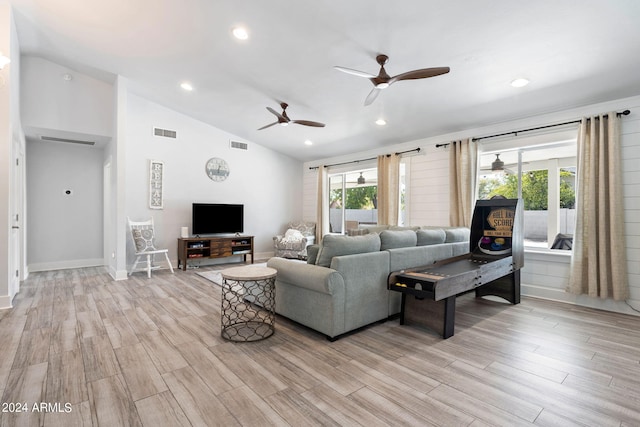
<point>463,160</point>
<point>598,263</point>
<point>388,189</point>
<point>322,212</point>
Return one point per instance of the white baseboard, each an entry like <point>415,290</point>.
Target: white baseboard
<point>5,302</point>
<point>560,295</point>
<point>117,274</point>
<point>265,255</point>
<point>63,265</point>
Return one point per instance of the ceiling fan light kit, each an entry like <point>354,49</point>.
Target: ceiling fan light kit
<point>497,165</point>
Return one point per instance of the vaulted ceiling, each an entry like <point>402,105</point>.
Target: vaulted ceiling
<point>573,52</point>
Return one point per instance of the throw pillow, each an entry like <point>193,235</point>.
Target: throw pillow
<point>143,239</point>
<point>292,236</point>
<point>337,245</point>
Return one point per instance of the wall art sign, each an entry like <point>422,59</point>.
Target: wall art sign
<point>156,175</point>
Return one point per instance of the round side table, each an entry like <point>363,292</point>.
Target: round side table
<point>248,303</point>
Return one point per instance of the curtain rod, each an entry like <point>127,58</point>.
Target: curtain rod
<point>515,132</point>
<point>364,160</point>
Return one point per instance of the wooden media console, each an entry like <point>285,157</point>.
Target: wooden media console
<point>192,248</point>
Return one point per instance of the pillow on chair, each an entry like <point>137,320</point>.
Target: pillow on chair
<point>292,235</point>
<point>143,239</point>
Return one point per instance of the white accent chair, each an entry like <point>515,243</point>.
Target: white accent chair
<point>143,235</point>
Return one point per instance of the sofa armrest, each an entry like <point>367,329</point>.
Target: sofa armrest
<point>313,277</point>
<point>366,294</point>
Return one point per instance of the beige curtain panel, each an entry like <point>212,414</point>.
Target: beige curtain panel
<point>388,189</point>
<point>598,263</point>
<point>463,159</point>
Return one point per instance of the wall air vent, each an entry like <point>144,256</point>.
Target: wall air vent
<point>239,145</point>
<point>72,141</point>
<point>165,132</point>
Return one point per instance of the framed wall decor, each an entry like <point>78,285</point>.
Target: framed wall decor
<point>156,176</point>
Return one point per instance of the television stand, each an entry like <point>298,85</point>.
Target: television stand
<point>192,248</point>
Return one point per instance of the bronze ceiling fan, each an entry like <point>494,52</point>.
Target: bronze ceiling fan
<point>284,120</point>
<point>384,80</point>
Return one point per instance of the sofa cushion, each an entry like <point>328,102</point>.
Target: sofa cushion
<point>337,245</point>
<point>433,236</point>
<point>371,228</point>
<point>457,234</point>
<point>403,227</point>
<point>391,239</point>
<point>312,253</point>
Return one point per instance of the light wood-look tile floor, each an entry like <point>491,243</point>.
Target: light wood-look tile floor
<point>148,352</point>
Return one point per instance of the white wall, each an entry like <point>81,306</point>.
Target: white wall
<point>80,108</point>
<point>11,148</point>
<point>544,275</point>
<point>5,158</point>
<point>65,230</point>
<point>266,182</point>
<point>81,105</point>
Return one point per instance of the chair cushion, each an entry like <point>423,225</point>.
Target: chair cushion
<point>391,239</point>
<point>143,239</point>
<point>337,245</point>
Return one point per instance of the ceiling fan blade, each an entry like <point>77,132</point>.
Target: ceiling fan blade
<point>420,74</point>
<point>372,96</point>
<point>264,127</point>
<point>308,123</point>
<point>355,72</point>
<point>278,115</point>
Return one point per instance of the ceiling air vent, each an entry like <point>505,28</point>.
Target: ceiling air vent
<point>239,145</point>
<point>165,132</point>
<point>72,141</point>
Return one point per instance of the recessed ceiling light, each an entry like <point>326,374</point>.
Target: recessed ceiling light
<point>381,122</point>
<point>308,142</point>
<point>186,86</point>
<point>240,33</point>
<point>521,82</point>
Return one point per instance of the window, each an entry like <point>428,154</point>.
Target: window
<point>544,176</point>
<point>353,199</point>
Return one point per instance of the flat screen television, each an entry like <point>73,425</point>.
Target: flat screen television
<point>215,218</point>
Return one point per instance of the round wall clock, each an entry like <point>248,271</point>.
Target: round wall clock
<point>217,169</point>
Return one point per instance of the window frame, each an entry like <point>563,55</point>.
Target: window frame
<point>552,165</point>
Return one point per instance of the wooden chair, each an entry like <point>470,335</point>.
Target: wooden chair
<point>143,235</point>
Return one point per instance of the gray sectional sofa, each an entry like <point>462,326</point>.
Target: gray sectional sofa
<point>343,285</point>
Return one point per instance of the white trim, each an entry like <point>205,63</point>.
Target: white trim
<point>63,265</point>
<point>5,302</point>
<point>560,295</point>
